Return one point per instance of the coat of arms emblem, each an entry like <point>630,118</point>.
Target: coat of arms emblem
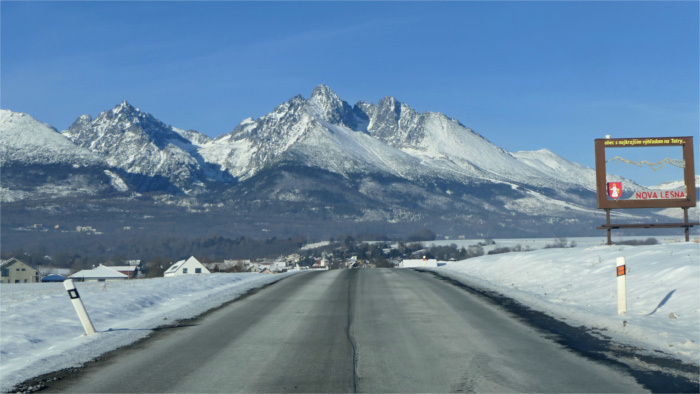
<point>614,189</point>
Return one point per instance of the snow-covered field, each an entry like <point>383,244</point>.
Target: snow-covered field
<point>580,285</point>
<point>40,331</point>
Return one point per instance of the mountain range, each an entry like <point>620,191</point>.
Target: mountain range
<point>318,166</point>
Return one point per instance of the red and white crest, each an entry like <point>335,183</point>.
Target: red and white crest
<point>614,189</point>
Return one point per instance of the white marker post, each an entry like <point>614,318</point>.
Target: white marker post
<point>79,307</point>
<point>621,286</point>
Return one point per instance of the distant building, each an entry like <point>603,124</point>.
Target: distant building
<point>15,271</point>
<point>320,265</point>
<point>100,274</point>
<point>127,270</point>
<point>191,266</point>
<point>418,263</point>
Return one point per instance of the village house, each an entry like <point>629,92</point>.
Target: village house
<point>321,264</point>
<point>15,271</point>
<point>190,266</point>
<point>418,263</point>
<point>128,270</point>
<point>99,274</point>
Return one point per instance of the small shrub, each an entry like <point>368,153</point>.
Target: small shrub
<point>558,243</point>
<point>499,250</point>
<point>638,242</point>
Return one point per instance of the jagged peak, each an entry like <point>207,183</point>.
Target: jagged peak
<point>323,91</point>
<point>324,96</point>
<point>124,106</point>
<point>389,101</point>
<point>327,105</point>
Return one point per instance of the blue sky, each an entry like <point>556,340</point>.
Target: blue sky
<point>525,75</point>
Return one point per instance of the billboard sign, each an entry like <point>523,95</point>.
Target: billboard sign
<point>609,193</point>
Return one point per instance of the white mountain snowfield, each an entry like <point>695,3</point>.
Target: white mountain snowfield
<point>23,138</point>
<point>40,331</point>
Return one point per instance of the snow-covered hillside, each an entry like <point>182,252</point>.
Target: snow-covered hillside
<point>26,140</point>
<point>556,167</point>
<point>39,162</point>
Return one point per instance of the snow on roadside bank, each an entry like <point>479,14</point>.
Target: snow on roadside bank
<point>40,331</point>
<point>580,286</point>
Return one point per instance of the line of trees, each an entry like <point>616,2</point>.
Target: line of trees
<point>159,252</point>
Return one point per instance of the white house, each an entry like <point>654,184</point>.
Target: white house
<point>186,267</point>
<point>100,274</point>
<point>418,263</point>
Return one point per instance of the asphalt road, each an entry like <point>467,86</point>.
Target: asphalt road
<point>363,330</point>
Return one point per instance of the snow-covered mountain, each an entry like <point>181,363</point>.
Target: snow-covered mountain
<point>387,138</point>
<point>320,159</point>
<point>154,155</point>
<point>388,155</point>
<point>26,140</point>
<point>38,162</point>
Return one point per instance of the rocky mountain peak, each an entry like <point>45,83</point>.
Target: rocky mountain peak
<point>394,122</point>
<point>325,104</point>
<point>323,92</point>
<point>124,106</point>
<point>123,112</point>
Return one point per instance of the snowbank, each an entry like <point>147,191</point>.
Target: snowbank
<point>40,331</point>
<point>580,285</point>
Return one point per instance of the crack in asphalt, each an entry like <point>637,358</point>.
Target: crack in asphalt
<point>348,330</point>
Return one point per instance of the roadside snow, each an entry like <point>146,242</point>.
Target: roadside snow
<point>40,331</point>
<point>579,285</point>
